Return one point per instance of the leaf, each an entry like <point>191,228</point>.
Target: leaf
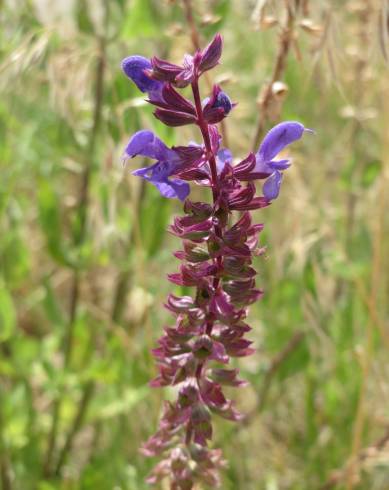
<point>51,222</point>
<point>370,172</point>
<point>309,278</point>
<point>52,306</point>
<point>139,21</point>
<point>50,219</point>
<point>120,405</point>
<point>154,219</point>
<point>296,361</point>
<point>15,256</point>
<point>7,314</point>
<point>83,20</point>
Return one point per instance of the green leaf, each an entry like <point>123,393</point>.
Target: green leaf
<point>295,362</point>
<point>15,257</point>
<point>52,306</point>
<point>370,173</point>
<point>119,405</point>
<point>50,219</point>
<point>154,219</point>
<point>83,20</point>
<point>140,20</point>
<point>7,314</point>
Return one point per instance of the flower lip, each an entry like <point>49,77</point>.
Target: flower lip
<point>271,188</point>
<point>278,137</point>
<point>274,142</point>
<point>134,67</point>
<point>146,144</point>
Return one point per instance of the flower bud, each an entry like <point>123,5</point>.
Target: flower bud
<point>188,394</point>
<point>210,56</point>
<point>178,459</point>
<point>202,347</point>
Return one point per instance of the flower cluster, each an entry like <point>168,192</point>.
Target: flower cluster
<point>216,258</point>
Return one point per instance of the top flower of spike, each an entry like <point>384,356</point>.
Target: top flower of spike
<point>274,142</point>
<point>159,79</point>
<point>151,75</point>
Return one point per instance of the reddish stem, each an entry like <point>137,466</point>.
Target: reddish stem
<point>203,125</point>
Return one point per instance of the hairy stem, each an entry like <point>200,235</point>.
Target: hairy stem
<point>203,125</point>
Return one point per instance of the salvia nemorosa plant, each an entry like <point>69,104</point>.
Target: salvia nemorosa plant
<point>219,241</point>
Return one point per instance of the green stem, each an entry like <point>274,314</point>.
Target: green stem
<point>87,395</point>
<point>123,281</point>
<point>5,470</point>
<point>83,203</point>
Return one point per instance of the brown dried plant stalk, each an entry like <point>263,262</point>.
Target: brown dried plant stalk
<point>286,40</point>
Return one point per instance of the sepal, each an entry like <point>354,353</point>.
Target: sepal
<point>210,56</point>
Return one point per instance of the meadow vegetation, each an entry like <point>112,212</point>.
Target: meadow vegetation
<point>84,249</point>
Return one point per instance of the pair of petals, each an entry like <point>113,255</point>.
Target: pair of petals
<point>275,141</point>
<point>134,67</point>
<point>146,144</point>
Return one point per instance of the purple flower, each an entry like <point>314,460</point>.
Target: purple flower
<point>223,101</point>
<point>271,187</point>
<point>180,76</point>
<point>275,141</point>
<point>145,143</point>
<point>219,242</point>
<point>218,106</point>
<point>134,67</point>
<point>223,156</point>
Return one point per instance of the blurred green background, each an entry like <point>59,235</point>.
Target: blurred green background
<point>84,249</point>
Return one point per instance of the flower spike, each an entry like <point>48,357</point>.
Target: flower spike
<point>219,243</point>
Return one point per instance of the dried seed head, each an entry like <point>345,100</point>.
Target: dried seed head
<point>267,22</point>
<point>279,89</point>
<point>311,28</point>
<point>209,19</point>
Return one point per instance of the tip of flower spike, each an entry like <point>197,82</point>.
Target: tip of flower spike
<point>210,56</point>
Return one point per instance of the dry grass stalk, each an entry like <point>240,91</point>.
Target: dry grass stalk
<point>267,97</point>
<point>375,282</point>
<point>363,455</point>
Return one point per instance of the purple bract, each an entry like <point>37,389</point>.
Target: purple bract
<point>216,259</point>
